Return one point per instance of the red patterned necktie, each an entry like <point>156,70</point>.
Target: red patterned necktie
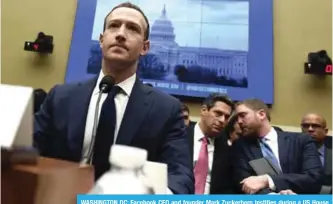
<point>201,168</point>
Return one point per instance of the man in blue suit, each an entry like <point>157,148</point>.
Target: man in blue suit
<point>293,154</point>
<point>135,115</point>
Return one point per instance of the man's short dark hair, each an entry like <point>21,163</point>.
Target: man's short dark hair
<point>184,107</point>
<point>256,105</point>
<point>230,127</point>
<point>210,101</point>
<point>132,6</point>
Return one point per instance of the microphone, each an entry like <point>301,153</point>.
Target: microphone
<point>105,86</point>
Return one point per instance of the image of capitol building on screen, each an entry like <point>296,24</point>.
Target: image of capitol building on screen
<point>201,62</point>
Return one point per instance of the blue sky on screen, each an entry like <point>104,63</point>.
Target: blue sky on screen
<point>208,23</point>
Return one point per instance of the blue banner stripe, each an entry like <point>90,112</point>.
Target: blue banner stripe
<point>204,199</point>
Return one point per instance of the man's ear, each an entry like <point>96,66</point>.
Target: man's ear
<point>262,114</point>
<point>326,131</point>
<point>145,48</point>
<point>100,40</point>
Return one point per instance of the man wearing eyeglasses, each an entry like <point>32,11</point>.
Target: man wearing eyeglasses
<point>315,125</point>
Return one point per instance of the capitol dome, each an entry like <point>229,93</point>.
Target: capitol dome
<point>162,30</point>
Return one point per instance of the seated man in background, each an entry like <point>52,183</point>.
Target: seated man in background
<point>209,148</point>
<point>293,154</point>
<point>186,116</point>
<point>315,125</point>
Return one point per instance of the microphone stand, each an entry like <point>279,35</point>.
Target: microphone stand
<point>87,159</point>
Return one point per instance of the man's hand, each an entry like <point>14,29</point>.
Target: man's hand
<point>253,184</point>
<point>287,192</point>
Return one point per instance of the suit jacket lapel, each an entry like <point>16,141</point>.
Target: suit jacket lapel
<point>78,108</point>
<point>190,136</point>
<point>283,149</point>
<point>255,149</point>
<point>137,108</point>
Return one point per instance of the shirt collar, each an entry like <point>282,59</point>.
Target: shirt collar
<point>199,135</point>
<point>126,85</point>
<point>272,135</point>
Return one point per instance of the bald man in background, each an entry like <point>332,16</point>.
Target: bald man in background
<point>315,125</point>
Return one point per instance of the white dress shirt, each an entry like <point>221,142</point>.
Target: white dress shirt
<point>120,99</point>
<point>198,135</point>
<point>272,142</point>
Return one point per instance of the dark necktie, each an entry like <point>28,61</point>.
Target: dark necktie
<point>105,134</point>
<point>268,153</point>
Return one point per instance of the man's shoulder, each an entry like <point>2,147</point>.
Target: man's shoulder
<point>244,142</point>
<point>59,88</point>
<point>163,98</point>
<point>328,142</point>
<point>69,87</point>
<point>295,136</point>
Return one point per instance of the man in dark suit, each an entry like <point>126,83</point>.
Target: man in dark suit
<point>136,115</point>
<point>293,154</point>
<point>210,151</point>
<point>315,125</point>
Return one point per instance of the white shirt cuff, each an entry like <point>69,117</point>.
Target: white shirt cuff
<point>169,192</point>
<point>271,184</point>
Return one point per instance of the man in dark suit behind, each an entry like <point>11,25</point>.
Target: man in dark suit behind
<point>186,115</point>
<point>294,154</point>
<point>215,177</point>
<point>315,125</point>
<point>137,115</point>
